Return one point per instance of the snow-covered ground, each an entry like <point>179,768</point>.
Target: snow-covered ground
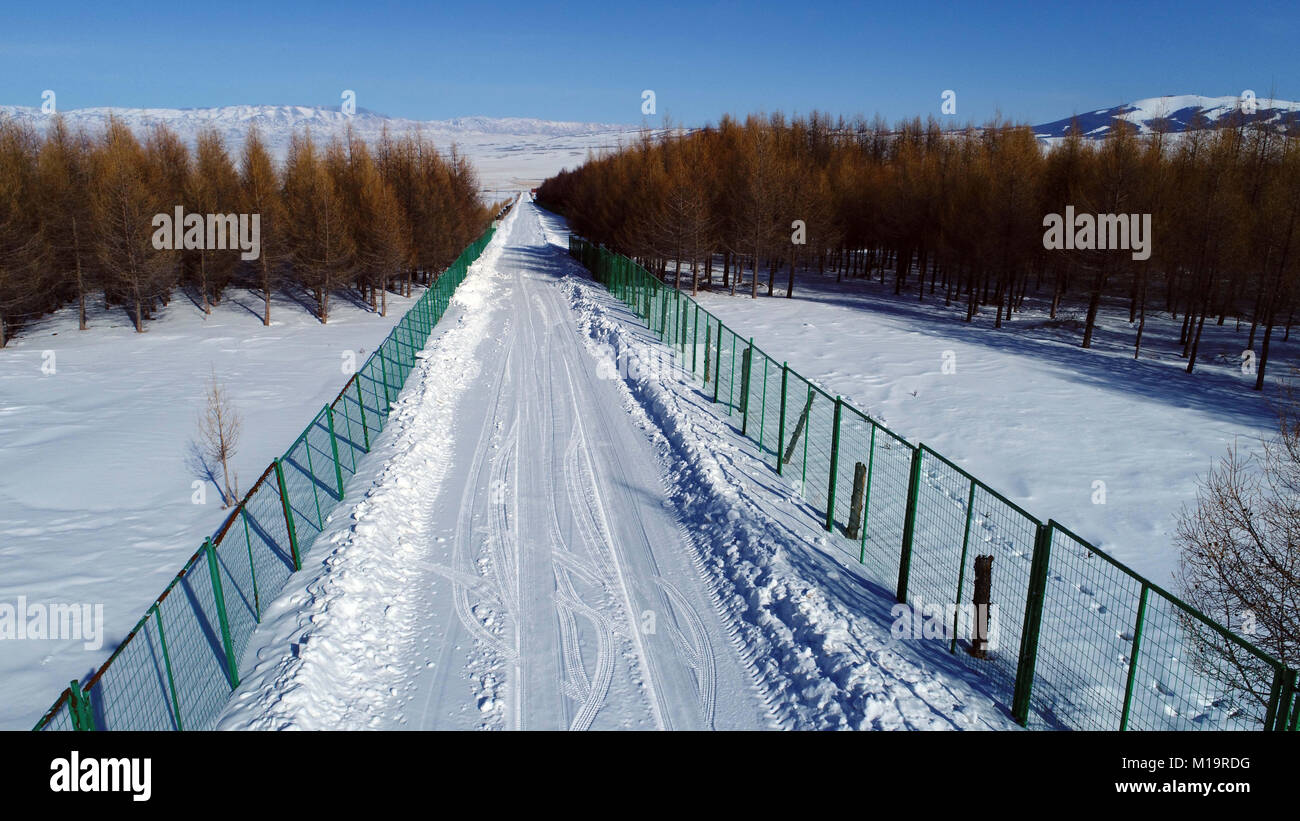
<point>1024,408</point>
<point>97,481</point>
<point>543,543</point>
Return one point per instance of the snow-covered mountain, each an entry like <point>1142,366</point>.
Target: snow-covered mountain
<point>509,152</point>
<point>278,122</point>
<point>1175,114</point>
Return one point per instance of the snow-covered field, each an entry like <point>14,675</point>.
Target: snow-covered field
<point>97,481</point>
<point>1024,408</point>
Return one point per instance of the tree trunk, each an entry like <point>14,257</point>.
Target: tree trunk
<point>266,290</point>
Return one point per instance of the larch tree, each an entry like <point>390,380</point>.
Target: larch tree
<point>319,242</point>
<point>124,200</point>
<point>260,193</point>
<point>66,220</point>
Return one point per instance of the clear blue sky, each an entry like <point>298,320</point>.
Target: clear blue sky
<point>590,60</point>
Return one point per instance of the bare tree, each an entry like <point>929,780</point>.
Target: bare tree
<point>219,430</point>
<point>1240,561</point>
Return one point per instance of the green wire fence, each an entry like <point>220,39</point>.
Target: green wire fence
<point>177,667</point>
<point>1083,641</point>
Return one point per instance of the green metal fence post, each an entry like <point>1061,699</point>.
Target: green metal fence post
<point>252,568</point>
<point>866,496</point>
<point>780,428</point>
<point>232,664</point>
<point>806,417</point>
<point>683,322</point>
<point>1033,621</point>
<point>361,403</point>
<point>731,380</point>
<point>1279,704</point>
<point>745,368</point>
<point>909,524</point>
<point>334,444</point>
<point>1133,657</point>
<point>288,516</point>
<point>79,709</point>
<point>695,338</point>
<point>311,471</point>
<point>717,364</point>
<point>835,463</point>
<point>663,315</point>
<point>383,369</point>
<point>167,662</point>
<point>961,572</point>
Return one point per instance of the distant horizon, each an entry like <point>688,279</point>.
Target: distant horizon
<point>952,122</point>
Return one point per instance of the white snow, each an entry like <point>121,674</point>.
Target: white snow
<point>96,478</point>
<point>1026,409</point>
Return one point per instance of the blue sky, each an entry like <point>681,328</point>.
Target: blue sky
<point>580,60</point>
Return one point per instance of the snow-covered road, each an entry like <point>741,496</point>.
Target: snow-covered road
<point>557,552</point>
<point>542,540</point>
<point>538,576</point>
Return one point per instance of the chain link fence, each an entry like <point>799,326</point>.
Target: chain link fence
<point>1080,641</point>
<point>177,667</point>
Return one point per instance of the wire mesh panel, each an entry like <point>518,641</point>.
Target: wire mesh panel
<point>372,403</point>
<point>238,591</point>
<point>672,316</point>
<point>132,691</point>
<point>790,448</point>
<point>749,389</point>
<point>816,446</point>
<point>767,416</point>
<point>395,357</point>
<point>880,520</point>
<point>1002,530</point>
<point>310,481</point>
<point>1090,611</point>
<point>198,658</point>
<point>727,364</point>
<point>59,716</point>
<point>940,536</point>
<point>266,536</point>
<point>348,429</point>
<point>694,359</point>
<point>707,369</point>
<point>1190,676</point>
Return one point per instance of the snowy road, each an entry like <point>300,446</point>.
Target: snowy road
<point>522,567</point>
<point>573,585</point>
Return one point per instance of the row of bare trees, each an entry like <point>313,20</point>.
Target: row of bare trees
<point>958,216</point>
<point>77,211</point>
